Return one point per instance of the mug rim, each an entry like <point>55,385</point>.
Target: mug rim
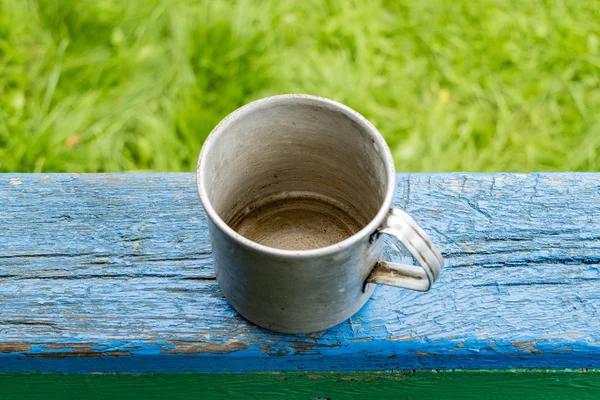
<point>367,230</point>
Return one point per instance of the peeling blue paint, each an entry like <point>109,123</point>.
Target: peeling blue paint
<point>125,283</point>
<point>405,355</point>
<point>137,348</point>
<point>45,349</point>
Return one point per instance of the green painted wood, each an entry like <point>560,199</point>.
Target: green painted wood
<point>460,384</point>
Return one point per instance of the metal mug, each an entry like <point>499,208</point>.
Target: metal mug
<point>297,190</point>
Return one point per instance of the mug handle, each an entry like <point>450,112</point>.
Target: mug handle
<point>402,227</point>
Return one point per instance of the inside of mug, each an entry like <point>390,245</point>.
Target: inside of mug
<point>295,173</point>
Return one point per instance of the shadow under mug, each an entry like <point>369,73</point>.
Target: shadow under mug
<point>297,190</point>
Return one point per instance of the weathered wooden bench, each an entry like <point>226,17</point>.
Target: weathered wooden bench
<point>112,273</point>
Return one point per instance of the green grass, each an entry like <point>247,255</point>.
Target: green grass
<point>111,85</point>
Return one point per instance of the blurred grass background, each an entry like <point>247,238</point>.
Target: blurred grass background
<point>111,85</point>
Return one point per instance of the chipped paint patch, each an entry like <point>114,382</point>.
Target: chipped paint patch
<point>362,339</point>
<point>426,354</point>
<point>401,338</point>
<point>527,345</point>
<point>182,347</point>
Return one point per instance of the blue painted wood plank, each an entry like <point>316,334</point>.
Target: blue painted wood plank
<point>112,272</point>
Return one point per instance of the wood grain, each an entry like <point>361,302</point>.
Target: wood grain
<point>113,273</point>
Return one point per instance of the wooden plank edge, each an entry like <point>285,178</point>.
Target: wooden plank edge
<point>147,357</point>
